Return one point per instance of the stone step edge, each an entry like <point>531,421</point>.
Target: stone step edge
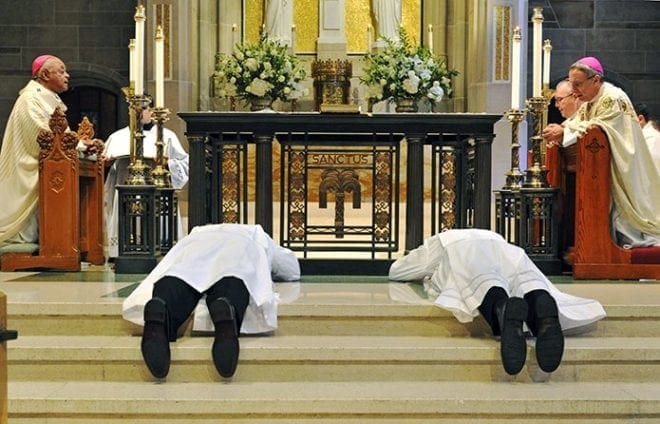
<point>113,309</point>
<point>327,348</point>
<point>376,398</point>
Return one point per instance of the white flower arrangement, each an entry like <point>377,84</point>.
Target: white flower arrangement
<point>403,71</point>
<point>264,69</point>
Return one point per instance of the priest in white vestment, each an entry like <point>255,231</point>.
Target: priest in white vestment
<point>567,104</point>
<point>118,147</point>
<point>635,176</point>
<point>19,154</point>
<point>651,133</point>
<point>471,272</point>
<point>224,272</point>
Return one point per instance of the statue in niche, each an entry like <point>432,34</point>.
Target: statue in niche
<point>278,20</point>
<point>388,18</point>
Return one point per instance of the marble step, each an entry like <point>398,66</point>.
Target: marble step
<point>331,358</point>
<point>61,318</point>
<point>388,401</point>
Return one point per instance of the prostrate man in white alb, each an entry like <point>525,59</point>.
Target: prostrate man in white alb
<point>226,272</point>
<point>471,272</point>
<point>118,146</point>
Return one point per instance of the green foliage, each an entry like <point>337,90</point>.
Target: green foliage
<point>402,70</point>
<point>264,69</point>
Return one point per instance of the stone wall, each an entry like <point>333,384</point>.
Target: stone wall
<point>91,37</point>
<point>623,34</point>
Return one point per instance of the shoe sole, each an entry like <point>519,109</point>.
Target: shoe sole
<point>155,346</point>
<point>513,346</point>
<point>549,342</point>
<point>225,347</point>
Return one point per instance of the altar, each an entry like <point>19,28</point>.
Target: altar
<point>340,181</point>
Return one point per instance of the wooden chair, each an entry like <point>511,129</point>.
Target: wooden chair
<point>586,210</point>
<point>70,203</point>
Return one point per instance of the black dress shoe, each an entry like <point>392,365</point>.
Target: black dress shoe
<point>155,343</point>
<point>513,347</point>
<point>225,345</point>
<point>549,337</point>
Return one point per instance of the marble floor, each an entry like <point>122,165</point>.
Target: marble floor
<point>344,318</point>
<point>100,285</point>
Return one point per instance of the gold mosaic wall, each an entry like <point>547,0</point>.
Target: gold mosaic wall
<point>306,19</point>
<point>254,12</point>
<point>503,32</point>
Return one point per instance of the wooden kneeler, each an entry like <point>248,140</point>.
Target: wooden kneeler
<point>70,203</point>
<point>595,254</point>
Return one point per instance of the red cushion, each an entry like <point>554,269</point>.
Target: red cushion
<point>645,255</point>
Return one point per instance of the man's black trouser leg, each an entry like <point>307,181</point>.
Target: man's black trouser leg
<point>234,290</point>
<point>494,297</point>
<point>181,299</point>
<point>532,317</point>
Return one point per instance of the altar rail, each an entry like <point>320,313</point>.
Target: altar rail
<point>460,167</point>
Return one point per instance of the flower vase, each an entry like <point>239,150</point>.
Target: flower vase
<point>406,105</point>
<point>260,103</point>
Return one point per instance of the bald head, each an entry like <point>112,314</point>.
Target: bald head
<point>565,100</point>
<point>53,75</point>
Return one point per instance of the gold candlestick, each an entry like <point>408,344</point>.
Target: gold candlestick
<point>535,176</point>
<point>160,173</point>
<point>139,173</point>
<point>514,177</point>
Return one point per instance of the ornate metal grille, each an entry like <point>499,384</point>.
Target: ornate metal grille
<point>452,182</point>
<point>340,195</point>
<point>227,177</point>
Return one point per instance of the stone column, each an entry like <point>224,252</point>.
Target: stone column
<point>197,210</point>
<point>483,197</point>
<point>487,83</point>
<point>264,182</point>
<point>415,191</point>
<point>208,43</point>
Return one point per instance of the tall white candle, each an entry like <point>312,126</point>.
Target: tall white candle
<point>233,35</point>
<point>431,38</point>
<point>131,62</point>
<point>139,50</point>
<point>368,38</point>
<point>547,48</point>
<point>293,37</point>
<point>537,19</point>
<point>159,68</point>
<point>515,69</point>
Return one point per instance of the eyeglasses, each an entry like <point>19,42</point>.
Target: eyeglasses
<point>559,99</point>
<point>578,84</point>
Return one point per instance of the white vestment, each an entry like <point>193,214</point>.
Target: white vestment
<point>118,146</point>
<point>19,162</point>
<point>652,137</point>
<point>212,252</point>
<point>569,137</point>
<point>388,18</point>
<point>635,177</point>
<point>460,266</point>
